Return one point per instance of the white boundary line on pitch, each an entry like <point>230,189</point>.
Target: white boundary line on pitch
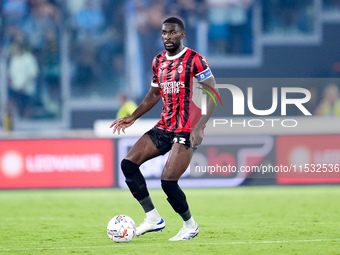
<point>226,243</point>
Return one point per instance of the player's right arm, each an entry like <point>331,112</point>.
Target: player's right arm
<point>149,101</point>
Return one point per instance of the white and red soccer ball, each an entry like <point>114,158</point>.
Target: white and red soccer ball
<point>121,229</point>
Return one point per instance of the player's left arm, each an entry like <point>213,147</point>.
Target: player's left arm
<point>196,135</point>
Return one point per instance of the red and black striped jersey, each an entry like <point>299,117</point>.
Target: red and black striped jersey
<point>173,75</point>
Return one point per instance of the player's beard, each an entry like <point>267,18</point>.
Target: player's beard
<point>172,48</point>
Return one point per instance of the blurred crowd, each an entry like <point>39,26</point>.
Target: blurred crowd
<point>39,37</point>
<point>29,42</point>
<point>97,48</point>
<point>289,17</point>
<point>229,22</point>
<point>331,5</point>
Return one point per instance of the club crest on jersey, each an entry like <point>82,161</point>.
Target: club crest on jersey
<point>180,69</point>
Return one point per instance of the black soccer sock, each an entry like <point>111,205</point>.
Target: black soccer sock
<point>186,216</point>
<point>147,204</point>
<point>136,183</point>
<point>176,198</point>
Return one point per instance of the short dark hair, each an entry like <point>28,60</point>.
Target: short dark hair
<point>175,20</point>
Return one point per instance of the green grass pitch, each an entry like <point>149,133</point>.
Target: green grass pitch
<point>243,220</point>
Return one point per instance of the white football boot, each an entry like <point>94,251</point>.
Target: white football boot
<point>186,233</point>
<point>147,226</point>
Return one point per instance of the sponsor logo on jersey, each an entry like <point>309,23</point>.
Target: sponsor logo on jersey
<point>170,87</point>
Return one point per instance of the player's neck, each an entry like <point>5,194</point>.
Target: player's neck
<point>180,48</point>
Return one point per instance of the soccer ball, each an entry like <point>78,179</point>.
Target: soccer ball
<point>121,229</point>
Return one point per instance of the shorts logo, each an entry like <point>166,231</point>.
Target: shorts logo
<point>180,69</point>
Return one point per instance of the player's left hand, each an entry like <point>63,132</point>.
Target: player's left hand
<point>196,137</point>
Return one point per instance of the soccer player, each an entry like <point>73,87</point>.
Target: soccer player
<point>179,131</point>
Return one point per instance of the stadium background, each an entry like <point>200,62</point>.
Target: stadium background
<point>78,56</point>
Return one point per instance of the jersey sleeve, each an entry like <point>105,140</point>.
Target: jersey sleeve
<point>154,80</point>
<point>201,68</point>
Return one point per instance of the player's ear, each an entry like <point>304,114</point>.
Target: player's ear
<point>183,34</point>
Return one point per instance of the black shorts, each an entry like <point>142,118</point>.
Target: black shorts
<point>163,140</point>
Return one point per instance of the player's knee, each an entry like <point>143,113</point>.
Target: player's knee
<point>134,179</point>
<point>168,176</point>
<point>129,168</point>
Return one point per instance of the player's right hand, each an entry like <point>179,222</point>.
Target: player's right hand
<point>121,124</point>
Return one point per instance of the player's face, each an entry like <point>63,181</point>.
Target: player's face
<point>172,37</point>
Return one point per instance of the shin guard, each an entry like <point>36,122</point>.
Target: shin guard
<point>176,196</point>
<point>134,179</point>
